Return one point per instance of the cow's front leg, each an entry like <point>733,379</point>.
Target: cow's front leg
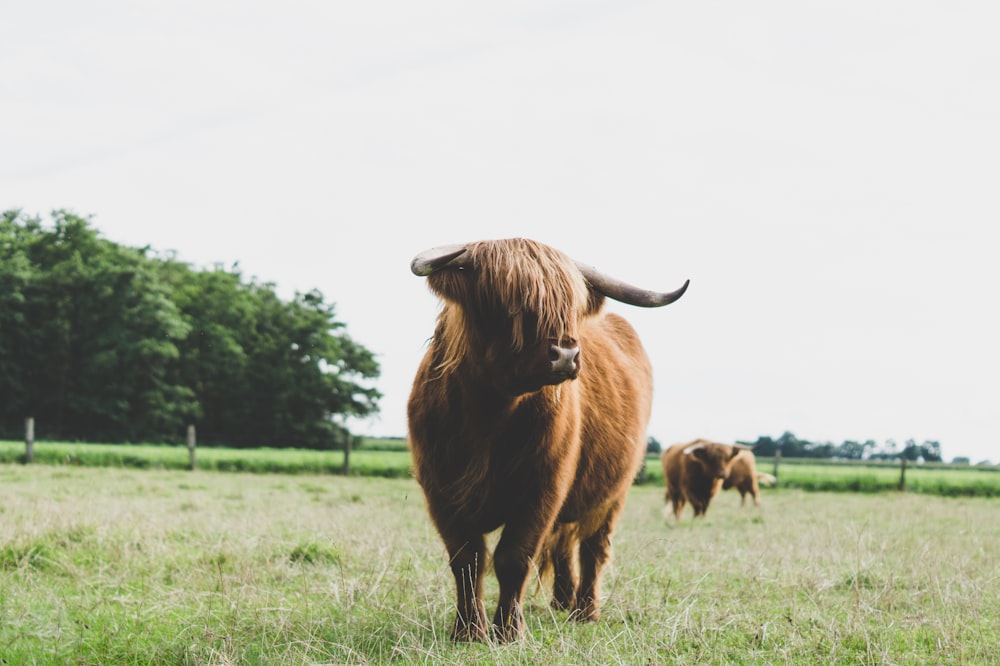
<point>511,562</point>
<point>467,555</point>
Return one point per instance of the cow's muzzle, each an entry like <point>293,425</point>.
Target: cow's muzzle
<point>565,358</point>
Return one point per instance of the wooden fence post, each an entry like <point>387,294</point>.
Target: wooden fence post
<point>29,440</point>
<point>191,445</point>
<point>777,459</point>
<point>902,474</point>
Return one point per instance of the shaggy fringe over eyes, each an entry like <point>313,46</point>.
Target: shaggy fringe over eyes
<point>521,277</point>
<point>527,277</point>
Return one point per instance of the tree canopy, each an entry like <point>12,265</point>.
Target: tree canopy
<point>101,342</point>
<point>791,446</point>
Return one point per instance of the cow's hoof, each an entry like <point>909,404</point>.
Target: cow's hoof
<point>586,614</point>
<point>508,633</point>
<point>465,632</point>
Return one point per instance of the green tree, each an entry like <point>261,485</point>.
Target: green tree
<point>930,451</point>
<point>214,357</point>
<point>269,372</point>
<point>764,446</point>
<point>104,342</point>
<point>307,372</point>
<point>791,446</point>
<point>851,450</point>
<point>98,337</point>
<point>15,276</point>
<point>911,450</point>
<point>820,450</point>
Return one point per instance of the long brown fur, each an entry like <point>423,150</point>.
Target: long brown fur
<point>743,476</point>
<point>490,449</point>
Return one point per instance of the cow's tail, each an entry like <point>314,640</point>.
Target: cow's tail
<point>767,479</point>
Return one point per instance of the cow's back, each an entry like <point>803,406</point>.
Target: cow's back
<point>743,476</point>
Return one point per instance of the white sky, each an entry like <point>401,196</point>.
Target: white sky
<point>825,173</point>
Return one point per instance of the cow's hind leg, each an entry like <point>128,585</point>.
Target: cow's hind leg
<point>677,500</point>
<point>562,551</point>
<point>595,551</point>
<point>468,555</point>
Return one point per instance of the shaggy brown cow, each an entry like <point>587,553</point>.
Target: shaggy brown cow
<point>743,476</point>
<point>528,411</point>
<point>695,472</point>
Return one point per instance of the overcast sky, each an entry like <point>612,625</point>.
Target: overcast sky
<point>827,174</point>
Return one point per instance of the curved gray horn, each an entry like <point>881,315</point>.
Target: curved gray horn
<point>626,293</point>
<point>693,447</point>
<point>431,260</point>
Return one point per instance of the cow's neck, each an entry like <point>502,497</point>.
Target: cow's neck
<point>493,410</point>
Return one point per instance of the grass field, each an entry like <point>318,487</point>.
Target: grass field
<point>116,565</point>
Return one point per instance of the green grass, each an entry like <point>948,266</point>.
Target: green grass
<point>938,480</point>
<point>120,566</point>
<point>377,458</point>
<point>390,458</point>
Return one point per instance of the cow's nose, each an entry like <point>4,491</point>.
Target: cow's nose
<point>565,357</point>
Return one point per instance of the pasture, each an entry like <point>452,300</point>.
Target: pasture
<point>117,565</point>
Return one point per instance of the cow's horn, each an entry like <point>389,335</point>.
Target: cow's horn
<point>693,447</point>
<point>626,293</point>
<point>431,260</point>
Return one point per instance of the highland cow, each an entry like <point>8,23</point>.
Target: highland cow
<point>528,412</point>
<point>695,472</point>
<point>743,476</point>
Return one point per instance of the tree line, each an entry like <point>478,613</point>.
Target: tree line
<point>790,446</point>
<point>102,342</point>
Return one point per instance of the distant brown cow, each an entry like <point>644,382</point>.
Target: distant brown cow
<point>695,472</point>
<point>743,476</point>
<point>528,412</point>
